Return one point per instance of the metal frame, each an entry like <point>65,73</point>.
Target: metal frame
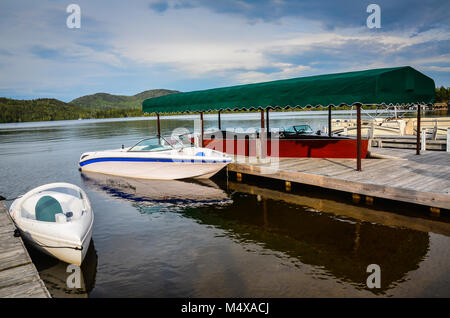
<point>265,123</point>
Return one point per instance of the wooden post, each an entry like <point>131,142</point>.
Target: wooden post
<point>288,186</point>
<point>159,126</point>
<point>356,198</point>
<point>201,134</point>
<point>329,120</point>
<point>435,211</point>
<point>418,131</point>
<point>358,137</point>
<point>220,124</point>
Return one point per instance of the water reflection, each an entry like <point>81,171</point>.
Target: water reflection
<point>309,232</point>
<point>342,246</point>
<point>53,273</point>
<point>173,192</point>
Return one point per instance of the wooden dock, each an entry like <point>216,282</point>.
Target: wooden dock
<point>397,174</point>
<point>18,275</point>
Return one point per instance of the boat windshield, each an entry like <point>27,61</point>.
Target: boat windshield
<point>303,129</point>
<point>153,144</point>
<point>290,130</point>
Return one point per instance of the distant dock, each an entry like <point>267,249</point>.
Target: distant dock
<point>398,174</point>
<point>18,275</point>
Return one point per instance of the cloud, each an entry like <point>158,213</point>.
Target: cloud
<point>286,71</point>
<point>437,68</point>
<point>45,52</point>
<point>418,14</point>
<point>188,45</point>
<point>159,5</point>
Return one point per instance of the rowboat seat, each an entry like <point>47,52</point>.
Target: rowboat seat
<point>46,209</point>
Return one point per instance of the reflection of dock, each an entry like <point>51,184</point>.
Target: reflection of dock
<point>335,245</point>
<point>400,175</point>
<point>18,275</point>
<point>365,214</point>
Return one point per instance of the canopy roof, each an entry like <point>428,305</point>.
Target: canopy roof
<point>399,85</point>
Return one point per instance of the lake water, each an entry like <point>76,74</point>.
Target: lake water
<point>220,238</point>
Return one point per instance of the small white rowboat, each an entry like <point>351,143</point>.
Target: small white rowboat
<point>57,219</point>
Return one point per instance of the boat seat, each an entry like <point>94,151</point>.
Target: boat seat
<point>46,209</point>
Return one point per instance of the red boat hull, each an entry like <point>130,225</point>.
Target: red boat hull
<point>292,148</point>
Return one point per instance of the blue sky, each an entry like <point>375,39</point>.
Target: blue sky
<point>125,47</point>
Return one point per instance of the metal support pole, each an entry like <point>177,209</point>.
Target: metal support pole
<point>358,137</point>
<point>220,124</point>
<point>267,123</point>
<point>201,135</point>
<point>418,131</point>
<point>159,126</point>
<point>262,136</point>
<point>329,120</point>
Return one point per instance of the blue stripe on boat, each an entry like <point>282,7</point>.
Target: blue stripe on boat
<point>86,162</point>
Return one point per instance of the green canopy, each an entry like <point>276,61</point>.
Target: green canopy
<point>399,85</point>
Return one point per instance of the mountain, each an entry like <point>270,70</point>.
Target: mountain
<point>110,101</point>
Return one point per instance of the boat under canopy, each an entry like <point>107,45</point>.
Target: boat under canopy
<point>399,85</point>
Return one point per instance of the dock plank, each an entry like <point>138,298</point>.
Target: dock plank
<point>18,275</point>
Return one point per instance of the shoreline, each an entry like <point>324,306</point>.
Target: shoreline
<point>208,116</point>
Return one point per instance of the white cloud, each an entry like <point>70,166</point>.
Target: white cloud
<point>288,71</point>
<point>437,68</point>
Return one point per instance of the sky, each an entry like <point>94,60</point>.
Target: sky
<point>125,47</point>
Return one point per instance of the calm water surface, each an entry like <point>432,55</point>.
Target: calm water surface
<point>219,238</point>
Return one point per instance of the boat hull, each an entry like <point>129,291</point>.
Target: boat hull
<point>292,148</point>
<point>71,253</point>
<point>155,170</point>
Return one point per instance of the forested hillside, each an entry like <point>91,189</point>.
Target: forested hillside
<point>104,100</point>
<point>44,109</point>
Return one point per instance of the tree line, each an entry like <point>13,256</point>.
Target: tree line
<point>442,94</point>
<point>48,109</point>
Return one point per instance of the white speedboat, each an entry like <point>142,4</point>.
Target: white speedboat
<point>156,158</point>
<point>57,219</point>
